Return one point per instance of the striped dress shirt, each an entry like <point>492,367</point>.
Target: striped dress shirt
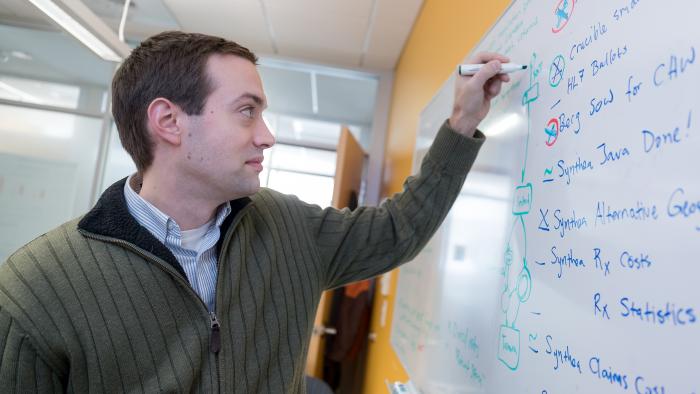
<point>200,265</point>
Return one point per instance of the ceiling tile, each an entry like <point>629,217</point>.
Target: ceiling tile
<point>393,23</point>
<point>318,30</point>
<point>335,9</point>
<point>239,20</point>
<point>20,9</point>
<point>331,31</point>
<point>336,56</point>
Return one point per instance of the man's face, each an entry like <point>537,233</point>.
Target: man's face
<point>223,147</point>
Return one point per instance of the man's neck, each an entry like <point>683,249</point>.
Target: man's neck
<point>178,202</point>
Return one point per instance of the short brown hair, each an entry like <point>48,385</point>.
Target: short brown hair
<point>171,65</point>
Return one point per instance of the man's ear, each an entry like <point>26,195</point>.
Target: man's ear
<point>163,120</point>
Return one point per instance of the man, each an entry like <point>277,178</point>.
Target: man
<point>187,276</point>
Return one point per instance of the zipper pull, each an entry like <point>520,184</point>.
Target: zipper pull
<point>215,342</point>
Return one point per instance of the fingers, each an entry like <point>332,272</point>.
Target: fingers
<point>489,57</point>
<point>488,71</point>
<point>485,57</point>
<point>493,87</point>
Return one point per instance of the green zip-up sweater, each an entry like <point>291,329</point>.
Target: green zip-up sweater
<point>99,305</point>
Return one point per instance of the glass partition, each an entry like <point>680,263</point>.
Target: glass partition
<point>47,166</point>
<point>52,102</point>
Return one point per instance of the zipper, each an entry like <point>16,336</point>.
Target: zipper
<point>214,324</point>
<point>215,338</point>
<point>215,342</point>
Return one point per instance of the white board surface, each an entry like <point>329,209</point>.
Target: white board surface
<point>569,263</point>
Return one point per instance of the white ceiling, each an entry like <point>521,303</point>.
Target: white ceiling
<point>364,34</point>
<point>351,33</point>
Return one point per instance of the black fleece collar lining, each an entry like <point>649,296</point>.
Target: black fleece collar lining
<point>110,217</point>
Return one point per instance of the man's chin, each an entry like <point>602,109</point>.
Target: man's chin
<point>244,192</point>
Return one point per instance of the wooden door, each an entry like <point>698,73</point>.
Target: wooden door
<point>347,182</point>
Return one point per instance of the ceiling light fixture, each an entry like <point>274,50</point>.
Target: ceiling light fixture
<point>77,30</point>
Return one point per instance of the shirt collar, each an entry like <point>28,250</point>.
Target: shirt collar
<point>153,219</point>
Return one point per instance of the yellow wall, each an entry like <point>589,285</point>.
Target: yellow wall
<point>445,31</point>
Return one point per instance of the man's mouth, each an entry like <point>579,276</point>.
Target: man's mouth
<point>256,163</point>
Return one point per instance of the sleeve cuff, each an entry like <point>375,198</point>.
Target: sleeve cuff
<point>454,152</point>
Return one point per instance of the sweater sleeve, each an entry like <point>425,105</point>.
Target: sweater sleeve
<point>21,368</point>
<point>369,241</point>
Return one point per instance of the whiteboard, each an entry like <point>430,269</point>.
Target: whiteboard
<point>569,263</point>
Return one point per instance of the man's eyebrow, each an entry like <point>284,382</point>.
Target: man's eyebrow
<point>257,99</point>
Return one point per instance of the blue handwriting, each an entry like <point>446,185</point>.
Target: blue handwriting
<point>573,169</point>
<point>596,32</point>
<point>568,260</point>
<point>598,104</point>
<point>615,155</point>
<point>667,314</point>
<point>607,373</point>
<point>611,56</point>
<point>564,224</point>
<point>562,357</point>
<point>676,66</point>
<point>605,214</point>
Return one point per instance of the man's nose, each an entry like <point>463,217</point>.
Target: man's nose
<point>264,137</point>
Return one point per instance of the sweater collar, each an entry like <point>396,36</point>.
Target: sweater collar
<point>158,223</point>
<point>110,217</point>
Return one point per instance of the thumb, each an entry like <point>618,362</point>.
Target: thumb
<point>487,72</point>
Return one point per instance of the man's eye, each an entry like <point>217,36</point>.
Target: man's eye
<point>249,112</point>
